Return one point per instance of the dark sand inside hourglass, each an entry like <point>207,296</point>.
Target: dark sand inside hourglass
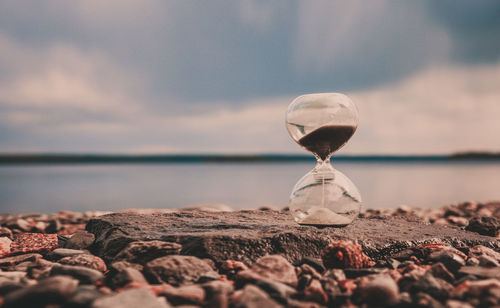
<point>327,139</point>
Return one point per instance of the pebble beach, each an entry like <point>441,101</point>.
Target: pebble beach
<point>57,260</point>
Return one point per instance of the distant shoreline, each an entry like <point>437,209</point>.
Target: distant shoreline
<point>8,159</point>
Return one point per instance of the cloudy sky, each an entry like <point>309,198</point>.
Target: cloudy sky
<point>216,76</point>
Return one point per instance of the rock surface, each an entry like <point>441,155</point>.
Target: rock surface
<point>248,235</point>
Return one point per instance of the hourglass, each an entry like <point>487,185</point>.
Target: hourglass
<point>322,123</point>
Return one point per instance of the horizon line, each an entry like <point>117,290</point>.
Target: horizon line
<point>88,158</point>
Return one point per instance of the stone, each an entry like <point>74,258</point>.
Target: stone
<point>60,253</point>
<point>54,226</point>
<point>472,261</point>
<point>253,297</point>
<point>306,269</point>
<point>185,295</point>
<point>345,254</point>
<point>217,293</point>
<point>480,288</point>
<point>449,259</point>
<point>9,262</point>
<point>177,270</point>
<point>6,232</point>
<point>53,290</point>
<point>20,224</point>
<point>277,290</point>
<point>80,240</point>
<point>34,242</point>
<point>378,289</point>
<point>452,303</point>
<point>86,260</point>
<point>272,267</point>
<point>5,243</point>
<point>144,251</point>
<point>484,225</point>
<point>480,271</point>
<point>132,298</point>
<point>83,274</point>
<point>425,300</point>
<point>435,287</point>
<point>335,274</point>
<point>360,272</point>
<point>438,270</point>
<point>317,264</point>
<point>122,277</point>
<point>314,292</point>
<point>120,265</point>
<point>84,296</point>
<point>480,250</point>
<point>488,261</point>
<point>248,235</point>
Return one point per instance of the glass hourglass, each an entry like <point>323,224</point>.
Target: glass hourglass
<point>322,123</point>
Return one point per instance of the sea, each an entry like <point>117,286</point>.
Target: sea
<point>48,188</point>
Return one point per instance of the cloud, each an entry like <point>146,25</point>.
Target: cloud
<point>438,110</point>
<point>63,86</point>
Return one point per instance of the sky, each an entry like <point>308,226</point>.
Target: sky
<point>217,76</point>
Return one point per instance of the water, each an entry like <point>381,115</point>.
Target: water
<point>83,187</point>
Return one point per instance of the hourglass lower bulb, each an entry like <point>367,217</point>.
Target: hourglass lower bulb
<point>322,124</point>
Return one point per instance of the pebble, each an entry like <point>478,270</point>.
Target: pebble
<point>380,289</point>
<point>345,254</point>
<point>480,271</point>
<point>314,292</point>
<point>436,287</point>
<point>438,270</point>
<point>83,274</point>
<point>132,298</point>
<point>192,294</point>
<point>488,261</point>
<point>425,300</point>
<point>86,260</point>
<point>120,265</point>
<point>452,261</point>
<point>80,240</point>
<point>272,267</point>
<point>122,277</point>
<point>60,253</point>
<point>277,290</point>
<point>54,290</point>
<point>6,232</point>
<point>10,262</point>
<point>177,270</point>
<point>457,304</point>
<point>5,243</point>
<point>144,251</point>
<point>317,264</point>
<point>84,296</point>
<point>253,297</point>
<point>481,250</point>
<point>484,225</point>
<point>217,293</point>
<point>34,242</point>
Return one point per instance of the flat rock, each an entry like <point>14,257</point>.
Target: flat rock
<point>248,235</point>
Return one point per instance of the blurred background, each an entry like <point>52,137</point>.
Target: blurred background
<point>197,77</point>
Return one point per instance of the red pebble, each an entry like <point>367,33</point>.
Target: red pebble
<point>345,254</point>
<point>34,242</point>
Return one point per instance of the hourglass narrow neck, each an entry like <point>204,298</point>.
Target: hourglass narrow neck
<point>323,165</point>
